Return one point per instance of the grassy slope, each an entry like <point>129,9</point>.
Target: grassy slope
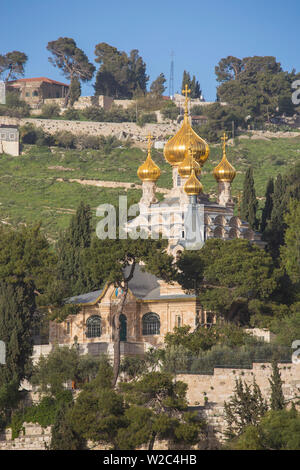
<point>29,192</point>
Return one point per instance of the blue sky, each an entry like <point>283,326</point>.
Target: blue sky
<point>200,33</point>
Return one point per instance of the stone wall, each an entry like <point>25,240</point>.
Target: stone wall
<point>33,437</point>
<point>209,392</point>
<point>206,393</point>
<point>84,102</point>
<point>121,130</point>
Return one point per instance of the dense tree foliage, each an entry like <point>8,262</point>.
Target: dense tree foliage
<point>290,251</point>
<point>257,85</point>
<point>278,430</point>
<point>249,202</point>
<point>286,187</point>
<point>246,407</point>
<point>231,276</point>
<point>119,75</point>
<point>157,87</point>
<point>72,61</point>
<point>12,64</point>
<point>192,84</point>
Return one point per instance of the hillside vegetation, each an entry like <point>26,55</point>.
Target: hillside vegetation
<point>30,192</point>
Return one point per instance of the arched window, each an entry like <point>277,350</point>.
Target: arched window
<point>35,93</point>
<point>93,329</point>
<point>151,324</point>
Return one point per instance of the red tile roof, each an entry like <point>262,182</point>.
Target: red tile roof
<point>39,79</point>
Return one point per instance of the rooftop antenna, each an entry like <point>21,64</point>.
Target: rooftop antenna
<point>171,81</point>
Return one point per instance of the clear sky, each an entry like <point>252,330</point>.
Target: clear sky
<point>199,32</point>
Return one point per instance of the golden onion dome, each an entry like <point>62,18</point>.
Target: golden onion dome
<point>189,163</point>
<point>224,171</point>
<point>148,171</point>
<point>193,187</point>
<point>176,148</point>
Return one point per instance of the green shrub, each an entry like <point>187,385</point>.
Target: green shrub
<point>170,110</point>
<point>71,114</point>
<point>43,413</point>
<point>87,142</point>
<point>50,111</point>
<point>146,118</point>
<point>94,113</point>
<point>64,139</point>
<point>29,134</point>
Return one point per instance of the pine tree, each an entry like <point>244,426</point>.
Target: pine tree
<point>63,436</point>
<point>157,87</point>
<point>249,201</point>
<point>277,397</point>
<point>267,210</point>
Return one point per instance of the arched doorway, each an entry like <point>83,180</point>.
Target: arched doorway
<point>123,327</point>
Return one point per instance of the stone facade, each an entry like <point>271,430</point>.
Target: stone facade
<point>167,302</point>
<point>9,141</point>
<point>35,90</point>
<point>84,102</point>
<point>32,437</point>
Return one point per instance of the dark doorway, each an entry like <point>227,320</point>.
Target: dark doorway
<point>123,328</point>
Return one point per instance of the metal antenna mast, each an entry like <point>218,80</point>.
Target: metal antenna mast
<point>171,81</point>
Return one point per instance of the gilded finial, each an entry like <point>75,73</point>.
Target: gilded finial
<point>185,92</point>
<point>224,139</point>
<point>149,137</point>
<point>224,171</point>
<point>149,171</point>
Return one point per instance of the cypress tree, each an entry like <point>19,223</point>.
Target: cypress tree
<point>186,80</point>
<point>71,249</point>
<point>249,202</point>
<point>277,397</point>
<point>267,210</point>
<point>17,307</point>
<point>75,91</point>
<point>275,228</point>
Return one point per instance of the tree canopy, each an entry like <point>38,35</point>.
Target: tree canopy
<point>71,60</point>
<point>119,75</point>
<point>13,64</point>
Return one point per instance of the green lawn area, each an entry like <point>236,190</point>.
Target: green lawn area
<point>30,193</point>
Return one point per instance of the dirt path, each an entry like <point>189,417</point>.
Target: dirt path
<point>109,184</point>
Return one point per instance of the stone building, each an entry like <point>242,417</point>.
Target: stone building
<point>9,141</point>
<point>35,90</point>
<point>153,308</point>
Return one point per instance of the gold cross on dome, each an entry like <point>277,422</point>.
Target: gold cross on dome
<point>186,91</point>
<point>149,137</point>
<point>224,138</point>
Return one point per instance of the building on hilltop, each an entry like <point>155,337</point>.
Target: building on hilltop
<point>187,218</point>
<point>35,90</point>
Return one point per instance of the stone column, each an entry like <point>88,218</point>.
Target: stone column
<point>148,197</point>
<point>224,194</point>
